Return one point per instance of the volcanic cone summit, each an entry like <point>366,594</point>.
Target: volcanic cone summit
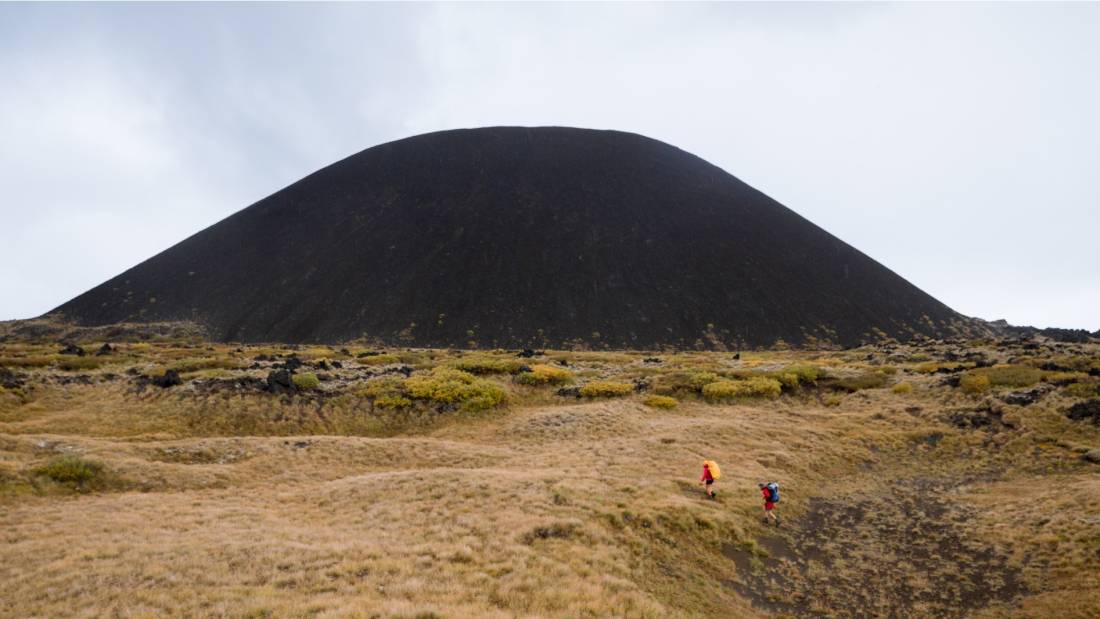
<point>520,237</point>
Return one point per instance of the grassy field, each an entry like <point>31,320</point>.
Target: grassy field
<point>934,479</point>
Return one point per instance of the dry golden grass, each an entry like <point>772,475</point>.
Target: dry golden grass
<point>208,501</point>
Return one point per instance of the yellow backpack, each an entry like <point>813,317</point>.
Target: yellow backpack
<point>715,472</point>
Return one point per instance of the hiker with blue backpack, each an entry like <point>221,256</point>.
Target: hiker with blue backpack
<point>770,491</point>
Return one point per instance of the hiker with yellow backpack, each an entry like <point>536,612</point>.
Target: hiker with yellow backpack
<point>711,473</point>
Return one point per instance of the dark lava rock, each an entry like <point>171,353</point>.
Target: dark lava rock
<point>1025,398</point>
<point>280,381</point>
<point>72,349</point>
<point>527,353</point>
<point>104,350</point>
<point>324,378</point>
<point>587,232</point>
<point>737,357</point>
<point>263,358</point>
<point>982,417</point>
<point>337,365</point>
<point>170,378</point>
<point>569,392</point>
<point>1085,411</point>
<point>641,384</point>
<point>292,363</point>
<point>521,369</point>
<point>368,353</point>
<point>322,365</point>
<point>563,362</point>
<point>652,360</point>
<point>9,379</point>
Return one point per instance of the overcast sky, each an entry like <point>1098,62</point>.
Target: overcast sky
<point>959,145</point>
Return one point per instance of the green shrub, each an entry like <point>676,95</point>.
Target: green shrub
<point>902,388</point>
<point>806,374</point>
<point>545,375</point>
<point>71,470</point>
<point>606,389</point>
<point>378,360</point>
<point>699,380</point>
<point>868,380</point>
<point>71,363</point>
<point>306,382</point>
<point>383,387</point>
<point>752,387</point>
<point>482,364</point>
<point>974,382</point>
<point>833,400</point>
<point>392,401</point>
<point>205,363</point>
<point>1082,389</point>
<point>1012,375</point>
<point>450,386</point>
<point>660,401</point>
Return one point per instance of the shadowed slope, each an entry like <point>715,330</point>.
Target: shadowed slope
<point>511,236</point>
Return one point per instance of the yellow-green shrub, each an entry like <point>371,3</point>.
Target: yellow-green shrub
<point>868,380</point>
<point>72,470</point>
<point>451,386</point>
<point>392,401</point>
<point>1007,375</point>
<point>37,361</point>
<point>902,388</point>
<point>478,364</point>
<point>542,374</point>
<point>700,379</point>
<point>661,401</point>
<point>753,387</point>
<point>972,382</point>
<point>207,363</point>
<point>1082,389</point>
<point>606,389</point>
<point>306,382</point>
<point>806,374</point>
<point>383,387</point>
<point>378,360</point>
<point>71,363</point>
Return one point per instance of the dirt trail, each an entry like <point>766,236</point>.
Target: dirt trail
<point>904,552</point>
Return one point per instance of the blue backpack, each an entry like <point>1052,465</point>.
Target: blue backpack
<point>773,492</point>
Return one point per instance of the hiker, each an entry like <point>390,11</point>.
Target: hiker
<point>711,472</point>
<point>770,491</point>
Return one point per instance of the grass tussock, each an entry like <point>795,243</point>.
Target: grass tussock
<point>78,364</point>
<point>661,401</point>
<point>902,388</point>
<point>867,380</point>
<point>1000,376</point>
<point>484,364</point>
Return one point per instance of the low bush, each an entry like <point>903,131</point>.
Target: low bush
<point>206,363</point>
<point>1083,389</point>
<point>869,380</point>
<point>974,382</point>
<point>73,363</point>
<point>383,387</point>
<point>833,400</point>
<point>38,361</point>
<point>392,401</point>
<point>71,470</point>
<point>378,360</point>
<point>450,386</point>
<point>545,375</point>
<point>806,374</point>
<point>902,388</point>
<point>979,380</point>
<point>753,387</point>
<point>660,401</point>
<point>1012,375</point>
<point>606,389</point>
<point>479,364</point>
<point>307,381</point>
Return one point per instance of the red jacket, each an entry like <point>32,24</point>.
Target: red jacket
<point>706,473</point>
<point>767,494</point>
